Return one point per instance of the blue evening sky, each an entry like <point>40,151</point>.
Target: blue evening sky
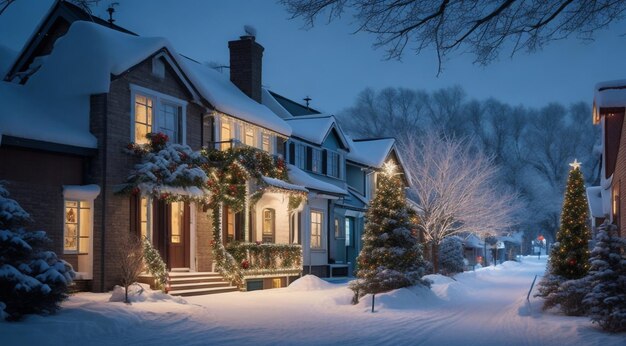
<point>332,66</point>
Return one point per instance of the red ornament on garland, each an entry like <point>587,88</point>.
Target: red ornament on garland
<point>572,261</point>
<point>245,264</point>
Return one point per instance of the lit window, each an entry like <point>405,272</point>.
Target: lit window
<point>230,225</point>
<point>226,135</point>
<point>349,224</point>
<point>143,118</point>
<point>277,283</point>
<point>249,138</point>
<point>316,161</point>
<point>169,122</point>
<point>266,142</point>
<point>77,227</point>
<point>333,164</point>
<point>268,225</point>
<point>316,230</point>
<point>177,221</point>
<point>145,217</point>
<point>301,156</point>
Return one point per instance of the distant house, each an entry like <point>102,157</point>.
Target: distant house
<point>605,200</point>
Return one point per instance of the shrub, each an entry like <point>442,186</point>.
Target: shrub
<point>451,256</point>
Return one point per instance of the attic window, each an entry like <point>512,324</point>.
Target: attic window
<point>158,67</point>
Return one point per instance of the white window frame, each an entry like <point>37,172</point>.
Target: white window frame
<point>148,220</point>
<point>321,230</point>
<point>300,156</point>
<point>158,99</point>
<point>249,128</point>
<point>268,136</point>
<point>316,167</point>
<point>336,158</point>
<point>79,233</point>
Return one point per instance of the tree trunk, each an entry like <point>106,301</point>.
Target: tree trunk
<point>435,258</point>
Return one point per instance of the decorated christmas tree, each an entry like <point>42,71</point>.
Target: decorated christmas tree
<point>607,280</point>
<point>564,283</point>
<point>391,256</point>
<point>570,258</point>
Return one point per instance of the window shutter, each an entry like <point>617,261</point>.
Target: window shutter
<point>135,215</point>
<point>324,161</point>
<point>292,153</point>
<point>309,158</point>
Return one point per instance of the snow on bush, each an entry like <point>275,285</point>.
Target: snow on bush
<point>32,279</point>
<point>607,281</point>
<point>142,293</point>
<point>451,256</point>
<point>310,283</point>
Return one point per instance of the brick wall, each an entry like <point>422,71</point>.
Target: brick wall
<point>110,123</point>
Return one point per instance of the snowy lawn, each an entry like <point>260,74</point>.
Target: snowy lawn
<point>485,307</point>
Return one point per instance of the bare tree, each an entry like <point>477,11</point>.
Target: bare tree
<point>453,183</point>
<point>130,262</point>
<point>482,27</point>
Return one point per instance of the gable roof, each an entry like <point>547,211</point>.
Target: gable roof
<point>316,128</point>
<point>371,152</point>
<point>300,177</point>
<point>82,64</point>
<point>61,13</point>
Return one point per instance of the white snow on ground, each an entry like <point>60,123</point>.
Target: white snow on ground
<point>485,307</point>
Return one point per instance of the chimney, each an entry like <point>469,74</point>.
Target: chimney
<point>246,60</point>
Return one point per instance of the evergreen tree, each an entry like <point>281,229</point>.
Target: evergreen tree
<point>32,279</point>
<point>451,256</point>
<point>607,280</point>
<point>391,256</point>
<point>571,259</point>
<point>564,283</point>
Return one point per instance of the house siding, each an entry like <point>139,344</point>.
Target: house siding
<point>619,177</point>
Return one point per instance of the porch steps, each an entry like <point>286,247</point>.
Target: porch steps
<point>198,283</point>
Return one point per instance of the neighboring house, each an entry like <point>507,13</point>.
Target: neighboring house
<point>605,201</point>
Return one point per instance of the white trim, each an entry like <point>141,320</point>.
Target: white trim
<point>192,237</point>
<point>158,99</point>
<point>180,74</point>
<point>322,246</point>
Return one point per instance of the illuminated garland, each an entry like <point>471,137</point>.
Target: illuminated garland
<point>257,257</point>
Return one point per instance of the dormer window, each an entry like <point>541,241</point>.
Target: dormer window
<point>316,161</point>
<point>334,164</point>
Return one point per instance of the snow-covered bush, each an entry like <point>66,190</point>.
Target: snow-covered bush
<point>565,294</point>
<point>607,281</point>
<point>451,256</point>
<point>32,279</point>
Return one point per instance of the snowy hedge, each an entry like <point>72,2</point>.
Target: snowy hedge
<point>32,279</point>
<point>451,256</point>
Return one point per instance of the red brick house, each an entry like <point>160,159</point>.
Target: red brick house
<point>605,201</point>
<point>79,92</point>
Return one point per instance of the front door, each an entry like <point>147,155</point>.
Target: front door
<point>178,247</point>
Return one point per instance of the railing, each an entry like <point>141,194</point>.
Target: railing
<point>264,258</point>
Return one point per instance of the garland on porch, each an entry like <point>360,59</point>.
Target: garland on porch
<point>257,256</point>
<point>154,264</point>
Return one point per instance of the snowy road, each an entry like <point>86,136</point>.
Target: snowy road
<point>485,307</point>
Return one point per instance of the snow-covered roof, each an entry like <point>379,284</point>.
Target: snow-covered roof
<point>610,94</point>
<point>371,152</point>
<point>473,241</point>
<point>283,184</point>
<point>227,98</point>
<point>300,177</point>
<point>315,128</point>
<point>594,197</point>
<point>270,102</point>
<point>57,96</point>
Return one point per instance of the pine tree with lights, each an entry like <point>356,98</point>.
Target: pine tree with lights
<point>391,256</point>
<point>564,283</point>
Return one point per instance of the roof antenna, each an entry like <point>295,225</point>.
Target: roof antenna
<point>307,100</point>
<point>111,10</point>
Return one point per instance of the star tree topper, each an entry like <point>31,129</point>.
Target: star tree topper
<point>575,164</point>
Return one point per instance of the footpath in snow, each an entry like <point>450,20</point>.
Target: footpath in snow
<point>484,307</point>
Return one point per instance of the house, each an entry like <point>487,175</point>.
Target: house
<point>609,105</point>
<point>72,106</point>
<point>341,174</point>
